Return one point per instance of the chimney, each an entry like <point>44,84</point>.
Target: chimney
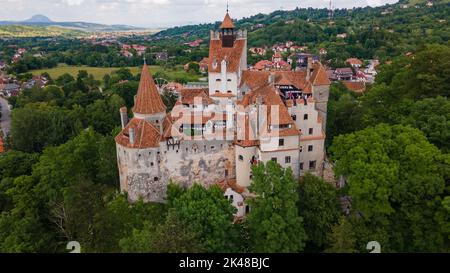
<point>308,69</point>
<point>123,117</point>
<point>131,132</point>
<point>271,78</point>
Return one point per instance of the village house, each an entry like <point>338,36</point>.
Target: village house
<point>217,132</point>
<point>354,62</point>
<point>302,59</point>
<point>258,51</point>
<point>38,81</point>
<point>195,43</point>
<point>126,54</point>
<point>9,89</point>
<point>140,49</point>
<point>162,56</point>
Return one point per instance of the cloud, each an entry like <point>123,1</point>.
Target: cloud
<point>73,2</point>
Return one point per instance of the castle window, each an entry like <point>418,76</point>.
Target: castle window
<point>301,166</point>
<point>177,151</point>
<point>310,148</point>
<point>294,117</point>
<point>187,149</point>
<point>218,80</point>
<point>247,209</point>
<point>231,198</point>
<point>305,117</point>
<point>229,92</point>
<point>229,80</point>
<point>301,149</point>
<point>281,142</point>
<point>157,121</point>
<point>212,147</point>
<point>274,159</point>
<point>312,165</point>
<point>311,131</point>
<point>155,178</point>
<point>226,173</point>
<point>287,159</point>
<point>241,158</point>
<point>152,164</point>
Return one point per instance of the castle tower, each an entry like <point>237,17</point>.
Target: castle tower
<point>138,144</point>
<point>148,103</point>
<point>227,31</point>
<point>227,60</point>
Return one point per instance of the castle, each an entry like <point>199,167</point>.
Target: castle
<point>214,135</point>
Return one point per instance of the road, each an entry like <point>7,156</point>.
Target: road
<point>5,122</point>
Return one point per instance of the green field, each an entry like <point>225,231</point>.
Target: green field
<point>100,72</point>
<point>17,31</point>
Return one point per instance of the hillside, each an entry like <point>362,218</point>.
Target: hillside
<point>21,31</point>
<point>382,32</point>
<point>43,21</point>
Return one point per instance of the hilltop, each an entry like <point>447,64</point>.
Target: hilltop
<point>43,21</point>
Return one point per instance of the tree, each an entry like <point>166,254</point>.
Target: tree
<point>170,237</point>
<point>209,214</point>
<point>396,180</point>
<point>273,222</point>
<point>341,239</point>
<point>319,207</point>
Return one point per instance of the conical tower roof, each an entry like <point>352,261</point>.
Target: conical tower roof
<point>148,100</point>
<point>227,22</point>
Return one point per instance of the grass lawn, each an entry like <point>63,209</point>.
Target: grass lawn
<point>99,72</point>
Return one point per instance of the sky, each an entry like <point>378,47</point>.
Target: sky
<point>158,13</point>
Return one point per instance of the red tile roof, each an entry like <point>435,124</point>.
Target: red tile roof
<point>355,86</point>
<point>295,78</point>
<point>354,61</point>
<point>227,22</point>
<point>145,135</point>
<point>232,55</point>
<point>319,76</point>
<point>188,96</point>
<point>148,100</point>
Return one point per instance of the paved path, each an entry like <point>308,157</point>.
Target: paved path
<point>5,122</point>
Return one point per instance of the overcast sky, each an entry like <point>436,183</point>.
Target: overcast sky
<point>157,13</point>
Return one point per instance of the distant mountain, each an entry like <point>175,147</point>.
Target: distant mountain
<point>38,18</point>
<point>44,21</point>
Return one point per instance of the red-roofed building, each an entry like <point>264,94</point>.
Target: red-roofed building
<point>216,133</point>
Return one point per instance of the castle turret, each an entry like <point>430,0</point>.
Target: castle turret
<point>227,30</point>
<point>148,103</point>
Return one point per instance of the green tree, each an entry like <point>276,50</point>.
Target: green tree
<point>208,214</point>
<point>396,180</point>
<point>319,207</point>
<point>341,238</point>
<point>274,223</point>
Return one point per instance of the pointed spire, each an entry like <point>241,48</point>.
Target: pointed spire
<point>227,22</point>
<point>148,100</point>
